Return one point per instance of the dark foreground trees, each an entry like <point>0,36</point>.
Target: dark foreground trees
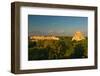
<point>60,49</point>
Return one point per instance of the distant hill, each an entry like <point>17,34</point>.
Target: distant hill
<point>35,33</point>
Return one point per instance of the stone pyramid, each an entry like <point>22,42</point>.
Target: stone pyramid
<point>78,36</point>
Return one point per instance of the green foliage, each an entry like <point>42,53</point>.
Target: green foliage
<point>64,48</point>
<point>38,53</point>
<point>32,44</point>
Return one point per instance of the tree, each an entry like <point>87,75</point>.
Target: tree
<point>78,51</point>
<point>32,44</point>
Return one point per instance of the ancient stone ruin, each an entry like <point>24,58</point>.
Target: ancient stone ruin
<point>78,36</point>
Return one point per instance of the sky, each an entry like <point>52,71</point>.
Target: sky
<point>60,25</point>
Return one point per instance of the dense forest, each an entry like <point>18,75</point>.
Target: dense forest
<point>64,48</point>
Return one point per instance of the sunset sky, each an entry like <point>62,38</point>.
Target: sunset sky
<point>59,24</point>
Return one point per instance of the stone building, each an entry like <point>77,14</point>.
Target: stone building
<point>78,36</point>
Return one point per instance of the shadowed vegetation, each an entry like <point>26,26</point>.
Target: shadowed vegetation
<point>64,48</point>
